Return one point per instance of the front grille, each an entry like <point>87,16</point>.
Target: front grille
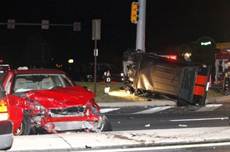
<point>67,112</point>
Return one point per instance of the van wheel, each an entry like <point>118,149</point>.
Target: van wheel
<point>25,126</point>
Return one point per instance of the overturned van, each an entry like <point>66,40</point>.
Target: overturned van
<point>187,82</point>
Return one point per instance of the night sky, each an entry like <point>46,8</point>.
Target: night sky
<point>169,23</point>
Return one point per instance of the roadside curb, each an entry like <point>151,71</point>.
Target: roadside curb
<point>147,145</point>
<point>121,139</point>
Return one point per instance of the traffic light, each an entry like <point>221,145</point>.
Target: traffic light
<point>77,26</point>
<point>134,12</point>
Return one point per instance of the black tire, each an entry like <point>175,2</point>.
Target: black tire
<point>25,126</point>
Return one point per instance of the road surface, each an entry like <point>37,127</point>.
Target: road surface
<point>165,117</point>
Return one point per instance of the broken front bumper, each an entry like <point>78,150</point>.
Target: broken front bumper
<point>53,124</point>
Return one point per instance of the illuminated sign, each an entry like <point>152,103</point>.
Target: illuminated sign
<point>206,43</point>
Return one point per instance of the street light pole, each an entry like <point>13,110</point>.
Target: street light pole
<point>96,35</point>
<point>95,66</point>
<point>140,37</point>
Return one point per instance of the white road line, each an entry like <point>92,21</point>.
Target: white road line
<point>153,110</point>
<point>200,119</point>
<point>105,110</point>
<point>210,107</point>
<point>163,147</point>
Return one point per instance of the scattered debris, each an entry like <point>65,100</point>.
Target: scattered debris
<point>131,118</point>
<point>183,125</point>
<point>133,134</point>
<point>147,125</point>
<point>88,147</point>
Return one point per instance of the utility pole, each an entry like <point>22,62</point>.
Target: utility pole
<point>140,36</point>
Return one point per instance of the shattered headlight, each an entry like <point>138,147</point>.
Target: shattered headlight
<point>91,108</point>
<point>35,107</point>
<point>39,107</point>
<point>95,110</point>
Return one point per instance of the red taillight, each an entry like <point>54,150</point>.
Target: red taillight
<point>170,57</point>
<point>200,85</point>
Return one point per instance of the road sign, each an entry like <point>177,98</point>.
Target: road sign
<point>10,24</point>
<point>96,29</point>
<point>45,24</point>
<point>77,26</point>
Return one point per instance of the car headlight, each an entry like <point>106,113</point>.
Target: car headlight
<point>91,108</point>
<point>95,110</point>
<point>38,107</point>
<point>35,107</point>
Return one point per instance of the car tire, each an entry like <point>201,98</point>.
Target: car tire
<point>25,126</point>
<point>104,125</point>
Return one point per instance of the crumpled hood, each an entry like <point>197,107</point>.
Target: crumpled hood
<point>61,97</point>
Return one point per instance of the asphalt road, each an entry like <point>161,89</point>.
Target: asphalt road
<point>138,118</point>
<point>151,117</point>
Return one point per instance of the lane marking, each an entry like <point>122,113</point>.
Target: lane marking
<point>153,110</point>
<point>137,149</point>
<point>199,119</point>
<point>210,107</point>
<point>106,110</point>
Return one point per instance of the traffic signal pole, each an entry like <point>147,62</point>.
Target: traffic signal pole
<point>140,35</point>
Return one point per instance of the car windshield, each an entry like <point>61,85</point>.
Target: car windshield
<point>27,82</point>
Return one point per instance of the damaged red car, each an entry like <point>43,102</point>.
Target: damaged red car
<point>45,99</point>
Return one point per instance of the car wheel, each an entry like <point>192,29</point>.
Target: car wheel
<point>103,125</point>
<point>25,126</point>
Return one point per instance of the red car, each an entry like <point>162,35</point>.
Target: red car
<point>47,99</point>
